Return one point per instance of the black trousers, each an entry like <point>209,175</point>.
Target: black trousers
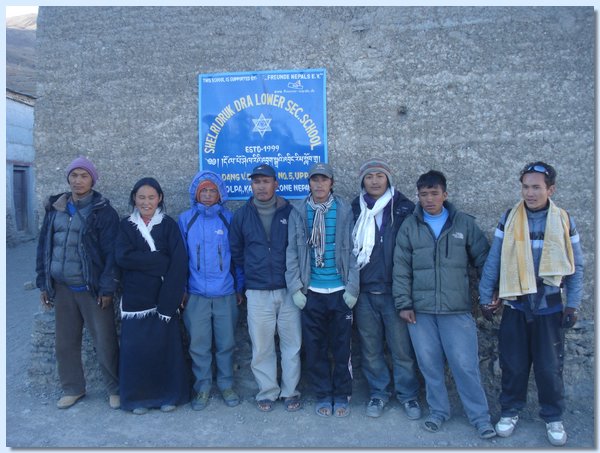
<point>327,325</point>
<point>522,344</point>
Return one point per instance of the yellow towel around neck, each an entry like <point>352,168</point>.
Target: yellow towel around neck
<point>517,274</point>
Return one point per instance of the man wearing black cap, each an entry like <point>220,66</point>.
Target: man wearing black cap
<point>258,239</point>
<point>77,275</point>
<point>322,277</point>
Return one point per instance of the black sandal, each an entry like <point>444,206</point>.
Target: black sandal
<point>292,403</point>
<point>264,405</point>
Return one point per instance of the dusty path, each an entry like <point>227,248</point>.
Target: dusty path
<point>33,420</point>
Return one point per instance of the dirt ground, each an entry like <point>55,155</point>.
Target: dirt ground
<point>32,420</point>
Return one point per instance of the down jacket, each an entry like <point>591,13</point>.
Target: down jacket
<point>431,276</point>
<point>96,247</point>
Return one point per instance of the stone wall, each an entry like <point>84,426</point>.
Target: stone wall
<point>473,91</point>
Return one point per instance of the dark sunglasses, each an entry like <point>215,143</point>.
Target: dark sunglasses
<point>537,169</point>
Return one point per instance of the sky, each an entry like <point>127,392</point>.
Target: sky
<point>20,10</point>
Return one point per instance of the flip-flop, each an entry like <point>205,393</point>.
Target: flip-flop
<point>341,409</point>
<point>292,403</point>
<point>323,409</point>
<point>264,405</point>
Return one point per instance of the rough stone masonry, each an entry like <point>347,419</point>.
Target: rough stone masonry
<point>475,92</point>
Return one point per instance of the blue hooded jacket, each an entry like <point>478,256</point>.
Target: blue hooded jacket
<point>210,268</point>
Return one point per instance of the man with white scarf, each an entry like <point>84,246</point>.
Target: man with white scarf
<point>379,211</point>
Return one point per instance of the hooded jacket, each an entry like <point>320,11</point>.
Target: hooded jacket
<point>207,239</point>
<point>431,275</point>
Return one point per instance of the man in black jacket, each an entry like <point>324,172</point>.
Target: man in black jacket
<point>77,275</point>
<point>258,239</point>
<point>378,212</point>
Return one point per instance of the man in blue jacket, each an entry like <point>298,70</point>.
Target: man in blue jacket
<point>212,308</point>
<point>258,238</point>
<point>535,254</point>
<point>77,275</point>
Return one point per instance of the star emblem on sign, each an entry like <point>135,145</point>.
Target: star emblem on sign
<point>262,125</point>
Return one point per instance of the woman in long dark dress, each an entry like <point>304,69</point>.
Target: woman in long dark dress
<point>153,258</point>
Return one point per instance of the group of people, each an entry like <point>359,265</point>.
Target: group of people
<point>306,269</point>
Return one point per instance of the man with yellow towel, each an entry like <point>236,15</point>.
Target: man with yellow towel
<point>535,254</point>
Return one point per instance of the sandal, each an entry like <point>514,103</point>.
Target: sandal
<point>432,424</point>
<point>486,431</point>
<point>323,409</point>
<point>292,403</point>
<point>341,409</point>
<point>264,405</point>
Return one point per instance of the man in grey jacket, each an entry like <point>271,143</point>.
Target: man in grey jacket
<point>77,275</point>
<point>322,277</point>
<point>434,248</point>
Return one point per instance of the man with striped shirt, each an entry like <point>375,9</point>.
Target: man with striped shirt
<point>322,277</point>
<point>535,255</point>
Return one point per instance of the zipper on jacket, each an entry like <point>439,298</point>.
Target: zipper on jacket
<point>65,244</point>
<point>220,258</point>
<point>198,257</point>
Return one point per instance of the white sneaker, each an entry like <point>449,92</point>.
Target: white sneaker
<point>506,425</point>
<point>556,433</point>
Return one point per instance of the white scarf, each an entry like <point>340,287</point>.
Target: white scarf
<point>144,230</point>
<point>363,233</point>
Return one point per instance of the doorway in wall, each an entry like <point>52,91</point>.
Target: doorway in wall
<point>21,196</point>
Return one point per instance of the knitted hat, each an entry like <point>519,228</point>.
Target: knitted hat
<point>375,166</point>
<point>82,162</point>
<point>206,184</point>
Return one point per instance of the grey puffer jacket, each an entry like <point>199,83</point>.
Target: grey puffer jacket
<point>96,247</point>
<point>431,276</point>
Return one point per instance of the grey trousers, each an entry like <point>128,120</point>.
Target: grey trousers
<point>72,311</point>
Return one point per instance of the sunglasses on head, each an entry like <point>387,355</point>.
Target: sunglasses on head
<point>537,169</point>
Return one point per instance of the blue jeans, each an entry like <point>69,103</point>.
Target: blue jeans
<point>203,318</point>
<point>453,336</point>
<point>378,323</point>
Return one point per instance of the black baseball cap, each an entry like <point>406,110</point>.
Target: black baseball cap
<point>263,170</point>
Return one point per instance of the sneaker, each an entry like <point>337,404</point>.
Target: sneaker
<point>114,401</point>
<point>412,409</point>
<point>200,401</point>
<point>486,431</point>
<point>140,410</point>
<point>375,408</point>
<point>556,433</point>
<point>68,400</point>
<point>230,397</point>
<point>506,425</point>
